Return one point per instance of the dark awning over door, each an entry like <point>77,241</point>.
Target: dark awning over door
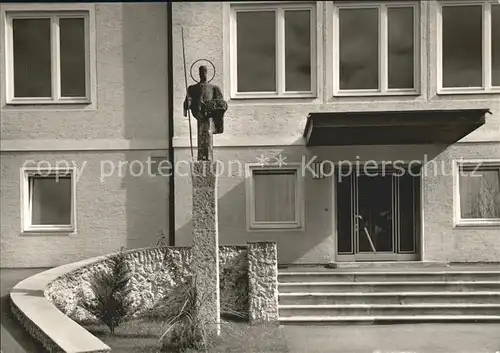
<point>391,127</point>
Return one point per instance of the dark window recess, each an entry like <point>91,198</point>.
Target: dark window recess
<point>407,222</point>
<point>256,47</point>
<point>32,58</point>
<point>344,216</point>
<point>72,34</point>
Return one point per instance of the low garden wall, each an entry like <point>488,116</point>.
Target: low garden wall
<point>248,285</point>
<point>248,280</point>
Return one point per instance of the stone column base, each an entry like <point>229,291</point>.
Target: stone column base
<point>205,250</point>
<point>263,282</point>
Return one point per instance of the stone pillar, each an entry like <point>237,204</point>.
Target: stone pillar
<point>205,249</point>
<point>205,140</point>
<point>263,282</point>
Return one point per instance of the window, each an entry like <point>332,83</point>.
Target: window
<point>478,194</point>
<point>274,198</point>
<point>377,48</point>
<point>273,51</point>
<point>47,57</point>
<point>469,47</point>
<point>48,201</point>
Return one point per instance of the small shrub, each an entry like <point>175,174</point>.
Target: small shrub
<point>185,328</point>
<point>110,304</point>
<point>234,294</point>
<point>162,240</point>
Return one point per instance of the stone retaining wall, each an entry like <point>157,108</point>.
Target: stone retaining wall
<point>156,271</point>
<point>263,282</point>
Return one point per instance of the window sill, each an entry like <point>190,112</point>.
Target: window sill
<point>477,224</point>
<point>276,228</point>
<point>464,91</point>
<point>19,101</point>
<point>49,231</point>
<point>247,96</point>
<point>373,93</point>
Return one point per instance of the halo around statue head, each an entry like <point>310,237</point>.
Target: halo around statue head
<point>197,61</point>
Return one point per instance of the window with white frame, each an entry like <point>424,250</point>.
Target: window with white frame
<point>376,48</point>
<point>47,57</point>
<point>469,47</point>
<point>48,201</point>
<point>273,50</point>
<point>478,193</point>
<point>274,198</point>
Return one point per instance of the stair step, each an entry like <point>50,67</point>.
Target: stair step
<point>387,276</point>
<point>388,310</point>
<point>368,287</point>
<point>390,298</point>
<point>383,265</point>
<point>322,320</point>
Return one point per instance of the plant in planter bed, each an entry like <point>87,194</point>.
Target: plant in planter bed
<point>110,304</point>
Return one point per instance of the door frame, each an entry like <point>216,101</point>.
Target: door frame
<point>382,256</point>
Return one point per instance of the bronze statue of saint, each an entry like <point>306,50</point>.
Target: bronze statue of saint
<point>206,103</point>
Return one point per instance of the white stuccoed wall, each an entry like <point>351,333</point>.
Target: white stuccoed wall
<point>258,126</point>
<point>128,122</point>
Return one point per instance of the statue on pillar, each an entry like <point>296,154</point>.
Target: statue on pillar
<point>206,103</point>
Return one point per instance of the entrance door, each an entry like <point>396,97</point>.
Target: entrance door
<point>377,216</point>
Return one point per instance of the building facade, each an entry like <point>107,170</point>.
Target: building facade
<point>83,109</point>
<point>356,130</point>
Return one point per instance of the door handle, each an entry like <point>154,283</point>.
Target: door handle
<point>359,217</point>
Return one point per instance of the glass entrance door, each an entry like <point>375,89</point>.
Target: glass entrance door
<point>376,216</point>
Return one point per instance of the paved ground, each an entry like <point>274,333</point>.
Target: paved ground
<point>405,338</point>
<point>13,337</point>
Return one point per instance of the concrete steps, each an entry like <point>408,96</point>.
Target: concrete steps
<point>389,295</point>
<point>389,309</point>
<point>370,287</point>
<point>390,298</point>
<point>323,320</point>
<point>406,276</point>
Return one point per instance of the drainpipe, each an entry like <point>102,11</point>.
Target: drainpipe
<point>170,117</point>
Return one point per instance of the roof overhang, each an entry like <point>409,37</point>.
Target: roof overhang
<point>391,127</point>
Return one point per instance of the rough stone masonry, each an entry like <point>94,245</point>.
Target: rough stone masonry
<point>205,247</point>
